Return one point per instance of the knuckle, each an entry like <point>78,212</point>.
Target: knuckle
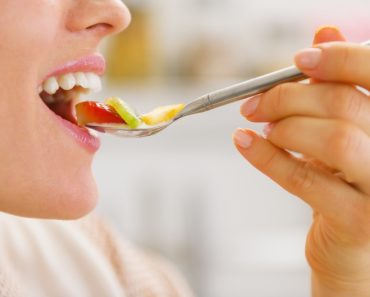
<point>269,161</point>
<point>344,141</point>
<point>345,102</point>
<point>281,92</point>
<point>301,177</point>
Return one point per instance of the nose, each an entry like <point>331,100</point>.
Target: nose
<point>101,17</point>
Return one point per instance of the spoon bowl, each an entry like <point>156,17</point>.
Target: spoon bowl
<point>126,132</point>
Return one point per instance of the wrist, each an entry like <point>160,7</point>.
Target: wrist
<point>340,272</point>
<point>338,268</point>
<point>323,286</point>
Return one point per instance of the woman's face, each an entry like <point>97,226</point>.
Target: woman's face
<point>46,160</point>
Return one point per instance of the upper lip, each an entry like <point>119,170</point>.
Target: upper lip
<point>92,63</point>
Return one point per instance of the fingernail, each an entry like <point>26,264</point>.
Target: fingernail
<point>308,58</point>
<point>322,28</point>
<point>268,128</point>
<point>243,139</point>
<point>249,107</point>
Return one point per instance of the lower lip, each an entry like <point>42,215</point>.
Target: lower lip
<point>81,135</point>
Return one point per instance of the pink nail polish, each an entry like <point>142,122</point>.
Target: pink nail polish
<point>308,58</point>
<point>249,107</point>
<point>243,139</point>
<point>268,128</point>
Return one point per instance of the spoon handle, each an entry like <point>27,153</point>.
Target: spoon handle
<point>244,90</point>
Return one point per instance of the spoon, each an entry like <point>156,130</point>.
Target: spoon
<point>210,101</point>
<point>213,100</point>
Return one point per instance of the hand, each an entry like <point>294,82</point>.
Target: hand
<point>328,121</point>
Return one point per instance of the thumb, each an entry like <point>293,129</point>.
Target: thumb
<point>326,34</point>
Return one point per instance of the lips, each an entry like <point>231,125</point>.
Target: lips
<point>61,89</point>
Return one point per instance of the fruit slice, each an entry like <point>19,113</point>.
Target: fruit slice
<point>162,114</point>
<point>95,112</point>
<point>126,113</point>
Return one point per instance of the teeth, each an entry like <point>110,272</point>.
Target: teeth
<point>50,86</point>
<point>49,99</point>
<point>94,81</point>
<point>68,81</point>
<point>81,80</point>
<point>93,132</point>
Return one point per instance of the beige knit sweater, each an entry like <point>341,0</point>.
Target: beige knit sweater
<point>84,258</point>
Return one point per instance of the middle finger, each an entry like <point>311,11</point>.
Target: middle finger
<point>320,100</point>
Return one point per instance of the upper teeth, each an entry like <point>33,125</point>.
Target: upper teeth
<point>68,81</point>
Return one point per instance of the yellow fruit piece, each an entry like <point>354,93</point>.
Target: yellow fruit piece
<point>162,114</point>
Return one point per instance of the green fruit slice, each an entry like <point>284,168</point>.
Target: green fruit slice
<point>125,112</point>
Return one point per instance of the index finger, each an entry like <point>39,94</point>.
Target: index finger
<point>337,62</point>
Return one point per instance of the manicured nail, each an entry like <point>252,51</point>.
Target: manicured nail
<point>268,128</point>
<point>248,108</point>
<point>328,29</point>
<point>308,58</point>
<point>243,139</point>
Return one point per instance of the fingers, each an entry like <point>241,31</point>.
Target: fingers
<point>336,62</point>
<point>323,191</point>
<point>338,144</point>
<point>321,100</point>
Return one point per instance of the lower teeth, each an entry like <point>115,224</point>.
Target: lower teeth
<point>93,132</point>
<point>48,99</point>
<point>60,96</point>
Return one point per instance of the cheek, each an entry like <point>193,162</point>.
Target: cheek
<point>35,179</point>
<point>27,30</point>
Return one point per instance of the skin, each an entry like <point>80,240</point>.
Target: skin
<point>44,172</point>
<point>328,122</point>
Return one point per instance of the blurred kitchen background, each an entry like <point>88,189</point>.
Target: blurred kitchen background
<point>186,193</point>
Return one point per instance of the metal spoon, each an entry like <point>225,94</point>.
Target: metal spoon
<point>214,99</point>
<point>210,101</point>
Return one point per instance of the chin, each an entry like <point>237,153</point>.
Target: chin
<point>75,202</point>
<point>57,198</point>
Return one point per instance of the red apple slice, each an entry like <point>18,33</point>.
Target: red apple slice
<point>89,112</point>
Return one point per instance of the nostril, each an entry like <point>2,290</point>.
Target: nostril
<point>101,27</point>
<point>99,17</point>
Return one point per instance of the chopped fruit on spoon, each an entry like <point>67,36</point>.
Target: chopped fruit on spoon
<point>95,112</point>
<point>162,114</point>
<point>126,113</point>
<point>116,111</point>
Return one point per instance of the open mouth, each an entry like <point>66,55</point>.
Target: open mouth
<point>62,93</point>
